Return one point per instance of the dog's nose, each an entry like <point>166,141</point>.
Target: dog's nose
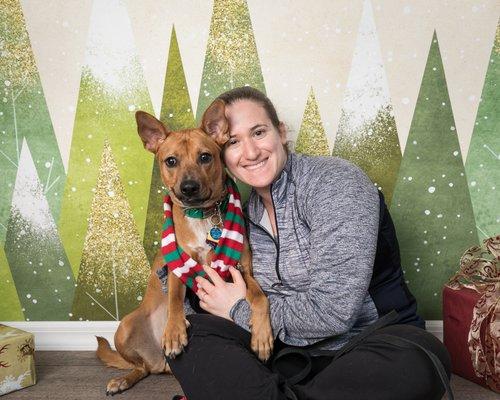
<point>190,187</point>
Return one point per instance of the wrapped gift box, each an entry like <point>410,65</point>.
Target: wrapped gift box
<point>17,364</point>
<point>457,318</point>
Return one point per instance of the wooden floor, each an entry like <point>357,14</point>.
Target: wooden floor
<point>80,375</point>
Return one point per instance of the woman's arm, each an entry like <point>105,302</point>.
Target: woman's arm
<point>342,212</point>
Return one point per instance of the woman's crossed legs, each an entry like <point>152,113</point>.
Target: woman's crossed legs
<point>218,364</point>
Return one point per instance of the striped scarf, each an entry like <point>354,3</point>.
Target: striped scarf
<point>227,252</point>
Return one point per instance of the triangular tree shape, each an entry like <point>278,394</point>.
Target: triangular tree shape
<point>312,139</point>
<point>24,114</point>
<point>10,307</point>
<point>431,207</point>
<point>483,172</point>
<point>231,59</point>
<point>176,113</point>
<point>40,269</point>
<point>112,88</point>
<point>367,133</point>
<point>114,268</point>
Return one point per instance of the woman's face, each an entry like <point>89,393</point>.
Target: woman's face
<point>254,153</point>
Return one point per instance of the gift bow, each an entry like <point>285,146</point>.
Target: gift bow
<point>480,271</point>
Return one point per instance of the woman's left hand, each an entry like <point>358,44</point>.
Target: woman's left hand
<point>219,297</point>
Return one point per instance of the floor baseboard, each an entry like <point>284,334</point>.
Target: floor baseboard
<point>80,336</point>
<point>67,335</point>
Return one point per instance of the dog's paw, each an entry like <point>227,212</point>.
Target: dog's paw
<point>175,338</point>
<point>262,337</point>
<point>116,385</point>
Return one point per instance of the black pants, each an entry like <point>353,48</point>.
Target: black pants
<point>218,364</point>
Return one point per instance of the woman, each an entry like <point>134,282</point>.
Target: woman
<point>326,255</point>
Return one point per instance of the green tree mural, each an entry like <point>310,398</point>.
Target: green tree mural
<point>431,206</point>
<point>483,172</point>
<point>40,269</point>
<point>24,114</point>
<point>112,88</point>
<point>311,138</point>
<point>231,59</point>
<point>114,268</point>
<point>10,307</point>
<point>367,133</point>
<point>176,113</point>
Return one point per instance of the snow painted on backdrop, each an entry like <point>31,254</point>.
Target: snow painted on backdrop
<point>367,91</point>
<point>110,55</point>
<point>11,383</point>
<point>28,200</point>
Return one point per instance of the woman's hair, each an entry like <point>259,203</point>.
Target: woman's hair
<point>250,93</point>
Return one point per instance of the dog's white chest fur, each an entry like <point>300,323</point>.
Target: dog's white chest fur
<point>198,238</point>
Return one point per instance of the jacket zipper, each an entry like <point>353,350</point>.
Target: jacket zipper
<point>276,243</point>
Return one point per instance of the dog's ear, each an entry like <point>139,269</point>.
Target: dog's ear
<point>214,122</point>
<point>151,131</point>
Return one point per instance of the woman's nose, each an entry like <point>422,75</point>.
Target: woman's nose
<point>250,150</point>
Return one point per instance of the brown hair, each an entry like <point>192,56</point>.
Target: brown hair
<point>250,93</point>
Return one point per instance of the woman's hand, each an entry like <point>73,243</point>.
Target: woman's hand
<point>219,297</point>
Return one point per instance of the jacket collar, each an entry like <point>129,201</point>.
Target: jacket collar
<point>279,188</point>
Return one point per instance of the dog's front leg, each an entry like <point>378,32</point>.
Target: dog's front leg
<point>260,321</point>
<point>175,335</point>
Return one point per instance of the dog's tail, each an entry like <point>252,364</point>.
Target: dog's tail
<point>109,356</point>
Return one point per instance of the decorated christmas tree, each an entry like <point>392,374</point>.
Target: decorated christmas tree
<point>176,113</point>
<point>483,172</point>
<point>312,139</point>
<point>114,268</point>
<point>367,133</point>
<point>112,88</point>
<point>40,269</point>
<point>24,114</point>
<point>431,206</point>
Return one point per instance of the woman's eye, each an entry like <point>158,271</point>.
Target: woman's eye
<point>171,162</point>
<point>232,141</point>
<point>205,158</point>
<point>260,132</point>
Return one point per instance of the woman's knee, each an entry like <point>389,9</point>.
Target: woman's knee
<point>423,338</point>
<point>207,325</point>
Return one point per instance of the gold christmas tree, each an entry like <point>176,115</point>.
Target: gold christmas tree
<point>312,139</point>
<point>114,268</point>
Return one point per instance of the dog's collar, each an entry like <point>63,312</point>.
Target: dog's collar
<point>202,213</point>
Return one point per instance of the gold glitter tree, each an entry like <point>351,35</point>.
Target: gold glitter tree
<point>114,269</point>
<point>231,59</point>
<point>312,139</point>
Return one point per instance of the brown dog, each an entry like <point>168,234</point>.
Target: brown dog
<point>192,169</point>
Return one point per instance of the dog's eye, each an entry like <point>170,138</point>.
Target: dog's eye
<point>171,162</point>
<point>205,158</point>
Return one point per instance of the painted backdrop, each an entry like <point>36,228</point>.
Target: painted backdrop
<point>406,90</point>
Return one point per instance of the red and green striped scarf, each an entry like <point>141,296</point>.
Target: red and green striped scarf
<point>227,253</point>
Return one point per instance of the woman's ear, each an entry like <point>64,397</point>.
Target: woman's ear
<point>283,132</point>
<point>214,122</point>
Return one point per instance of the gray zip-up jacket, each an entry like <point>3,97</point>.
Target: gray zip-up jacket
<point>317,271</point>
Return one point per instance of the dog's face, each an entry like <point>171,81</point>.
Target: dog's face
<point>190,160</point>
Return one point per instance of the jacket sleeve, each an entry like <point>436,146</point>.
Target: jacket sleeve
<point>341,209</point>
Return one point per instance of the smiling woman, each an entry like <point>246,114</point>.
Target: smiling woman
<point>255,152</point>
<point>324,251</point>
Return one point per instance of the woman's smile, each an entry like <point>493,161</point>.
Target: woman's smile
<point>257,165</point>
